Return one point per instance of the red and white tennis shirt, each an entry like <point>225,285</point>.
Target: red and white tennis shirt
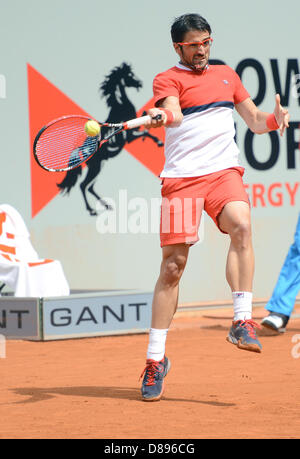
<point>204,141</point>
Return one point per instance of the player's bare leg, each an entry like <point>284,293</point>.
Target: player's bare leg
<point>235,219</point>
<point>165,301</point>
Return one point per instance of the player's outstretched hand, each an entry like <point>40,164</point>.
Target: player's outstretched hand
<point>281,114</point>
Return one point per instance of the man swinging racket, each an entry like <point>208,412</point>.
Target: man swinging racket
<point>196,101</point>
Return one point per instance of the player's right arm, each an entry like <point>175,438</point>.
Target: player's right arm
<point>166,94</point>
<point>170,111</point>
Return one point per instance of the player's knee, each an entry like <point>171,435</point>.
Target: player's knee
<point>172,270</point>
<point>241,234</point>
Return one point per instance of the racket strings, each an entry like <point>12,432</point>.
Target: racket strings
<point>65,144</point>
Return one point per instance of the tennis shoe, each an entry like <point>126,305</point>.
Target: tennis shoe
<point>153,382</point>
<point>275,322</point>
<point>242,334</point>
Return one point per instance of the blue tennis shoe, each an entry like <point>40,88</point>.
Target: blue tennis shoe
<point>153,382</point>
<point>242,334</point>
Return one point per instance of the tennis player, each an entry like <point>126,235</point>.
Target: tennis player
<point>202,171</point>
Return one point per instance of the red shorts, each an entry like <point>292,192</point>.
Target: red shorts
<point>183,200</point>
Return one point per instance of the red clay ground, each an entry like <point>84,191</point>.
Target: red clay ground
<point>89,388</point>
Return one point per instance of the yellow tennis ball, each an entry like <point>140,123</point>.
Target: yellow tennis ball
<point>92,128</point>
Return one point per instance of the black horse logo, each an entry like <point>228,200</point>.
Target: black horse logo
<point>113,89</point>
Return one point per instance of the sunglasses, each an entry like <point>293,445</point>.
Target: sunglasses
<point>205,43</point>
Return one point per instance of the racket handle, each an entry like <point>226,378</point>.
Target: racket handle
<point>137,122</point>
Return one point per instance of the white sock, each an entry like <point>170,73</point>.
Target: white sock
<point>157,343</point>
<point>242,305</point>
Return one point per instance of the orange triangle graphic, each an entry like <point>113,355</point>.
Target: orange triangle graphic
<point>46,102</point>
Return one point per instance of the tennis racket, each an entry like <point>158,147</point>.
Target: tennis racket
<point>63,144</point>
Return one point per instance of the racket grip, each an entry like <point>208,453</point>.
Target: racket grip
<point>137,122</point>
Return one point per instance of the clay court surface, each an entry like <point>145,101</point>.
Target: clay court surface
<point>90,388</point>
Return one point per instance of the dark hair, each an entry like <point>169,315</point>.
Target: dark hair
<point>188,22</point>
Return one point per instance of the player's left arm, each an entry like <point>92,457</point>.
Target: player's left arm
<point>261,122</point>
